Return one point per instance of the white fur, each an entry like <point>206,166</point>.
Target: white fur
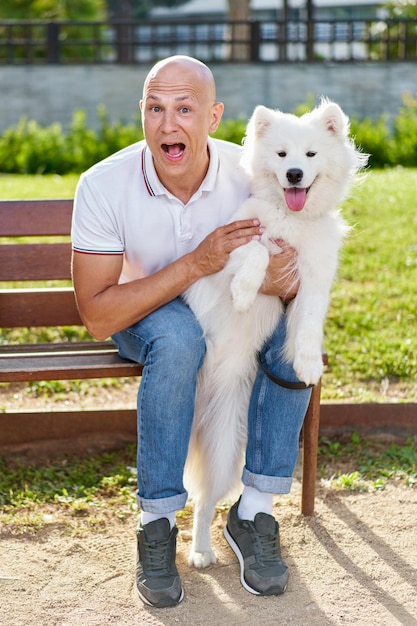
<point>237,319</point>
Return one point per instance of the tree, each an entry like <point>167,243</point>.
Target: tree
<point>53,9</point>
<point>64,41</point>
<point>310,30</point>
<point>240,33</point>
<point>402,8</point>
<point>396,40</point>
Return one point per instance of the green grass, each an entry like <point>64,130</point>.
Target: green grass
<point>362,465</point>
<point>371,325</point>
<point>81,494</point>
<point>77,492</point>
<point>21,187</point>
<point>69,480</point>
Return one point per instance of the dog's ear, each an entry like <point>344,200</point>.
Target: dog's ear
<point>333,118</point>
<point>256,129</point>
<point>260,121</point>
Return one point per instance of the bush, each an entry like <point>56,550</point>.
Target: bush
<point>375,138</point>
<point>231,130</point>
<point>30,148</point>
<point>405,133</point>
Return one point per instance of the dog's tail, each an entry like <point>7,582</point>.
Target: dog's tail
<point>215,458</point>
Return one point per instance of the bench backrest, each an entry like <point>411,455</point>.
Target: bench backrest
<point>24,261</point>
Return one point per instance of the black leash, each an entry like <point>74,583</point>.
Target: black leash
<point>280,381</point>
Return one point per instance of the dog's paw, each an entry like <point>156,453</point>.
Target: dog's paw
<point>248,266</point>
<point>243,298</point>
<point>308,369</point>
<point>201,559</point>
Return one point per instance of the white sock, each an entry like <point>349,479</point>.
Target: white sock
<point>253,502</point>
<point>147,517</point>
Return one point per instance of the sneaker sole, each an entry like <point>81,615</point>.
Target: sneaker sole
<point>239,556</point>
<point>160,606</point>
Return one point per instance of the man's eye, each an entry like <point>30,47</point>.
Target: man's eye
<point>185,110</point>
<point>156,109</point>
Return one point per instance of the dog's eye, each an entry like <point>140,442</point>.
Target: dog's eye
<point>282,153</point>
<point>311,153</point>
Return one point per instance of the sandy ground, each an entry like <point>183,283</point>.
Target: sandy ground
<point>354,562</point>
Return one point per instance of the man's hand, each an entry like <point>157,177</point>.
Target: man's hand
<point>213,252</point>
<point>282,277</point>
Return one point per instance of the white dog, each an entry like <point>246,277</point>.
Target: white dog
<point>300,169</point>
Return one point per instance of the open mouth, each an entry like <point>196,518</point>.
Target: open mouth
<point>296,197</point>
<point>173,150</point>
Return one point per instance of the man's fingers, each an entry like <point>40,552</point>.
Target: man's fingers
<point>243,228</point>
<point>241,224</point>
<point>240,232</point>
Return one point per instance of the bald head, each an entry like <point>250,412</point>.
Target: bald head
<point>185,68</point>
<point>179,110</point>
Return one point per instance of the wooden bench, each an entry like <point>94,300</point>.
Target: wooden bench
<point>49,260</point>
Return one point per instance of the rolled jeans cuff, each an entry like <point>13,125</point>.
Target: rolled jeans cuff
<point>269,484</point>
<point>163,505</point>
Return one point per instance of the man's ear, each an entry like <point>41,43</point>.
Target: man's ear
<point>216,116</point>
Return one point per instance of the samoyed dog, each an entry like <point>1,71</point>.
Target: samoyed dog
<point>300,169</point>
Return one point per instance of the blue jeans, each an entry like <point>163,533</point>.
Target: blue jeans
<point>170,344</point>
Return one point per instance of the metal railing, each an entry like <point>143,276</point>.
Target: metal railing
<point>219,41</point>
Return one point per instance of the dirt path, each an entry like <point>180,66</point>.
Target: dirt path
<point>354,563</point>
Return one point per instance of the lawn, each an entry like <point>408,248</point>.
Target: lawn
<point>370,333</point>
<point>81,492</point>
<point>371,330</point>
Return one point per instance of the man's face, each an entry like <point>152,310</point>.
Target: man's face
<point>178,113</point>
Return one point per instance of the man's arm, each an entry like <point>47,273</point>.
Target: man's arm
<point>107,307</point>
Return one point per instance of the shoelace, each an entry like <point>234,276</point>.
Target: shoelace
<point>269,548</point>
<point>266,546</point>
<point>157,554</point>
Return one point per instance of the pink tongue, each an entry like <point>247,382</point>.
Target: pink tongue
<point>175,149</point>
<point>295,198</point>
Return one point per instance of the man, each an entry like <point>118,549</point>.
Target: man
<point>148,222</point>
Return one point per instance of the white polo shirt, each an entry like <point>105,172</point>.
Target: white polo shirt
<point>121,207</point>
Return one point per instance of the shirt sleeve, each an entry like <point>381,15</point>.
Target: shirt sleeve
<point>95,228</point>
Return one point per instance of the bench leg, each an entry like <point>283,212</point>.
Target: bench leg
<point>310,445</point>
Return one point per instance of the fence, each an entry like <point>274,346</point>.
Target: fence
<point>220,41</point>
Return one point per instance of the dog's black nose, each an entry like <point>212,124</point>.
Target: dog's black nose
<point>294,175</point>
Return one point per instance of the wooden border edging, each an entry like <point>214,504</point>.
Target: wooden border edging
<point>370,419</point>
<point>34,427</point>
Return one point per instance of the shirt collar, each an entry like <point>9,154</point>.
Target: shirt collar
<point>156,188</point>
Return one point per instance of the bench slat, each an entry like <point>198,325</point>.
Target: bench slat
<point>35,261</point>
<point>50,365</point>
<point>70,346</point>
<point>20,218</point>
<point>38,307</point>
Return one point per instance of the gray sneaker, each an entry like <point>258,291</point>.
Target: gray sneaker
<point>256,545</point>
<point>157,577</point>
